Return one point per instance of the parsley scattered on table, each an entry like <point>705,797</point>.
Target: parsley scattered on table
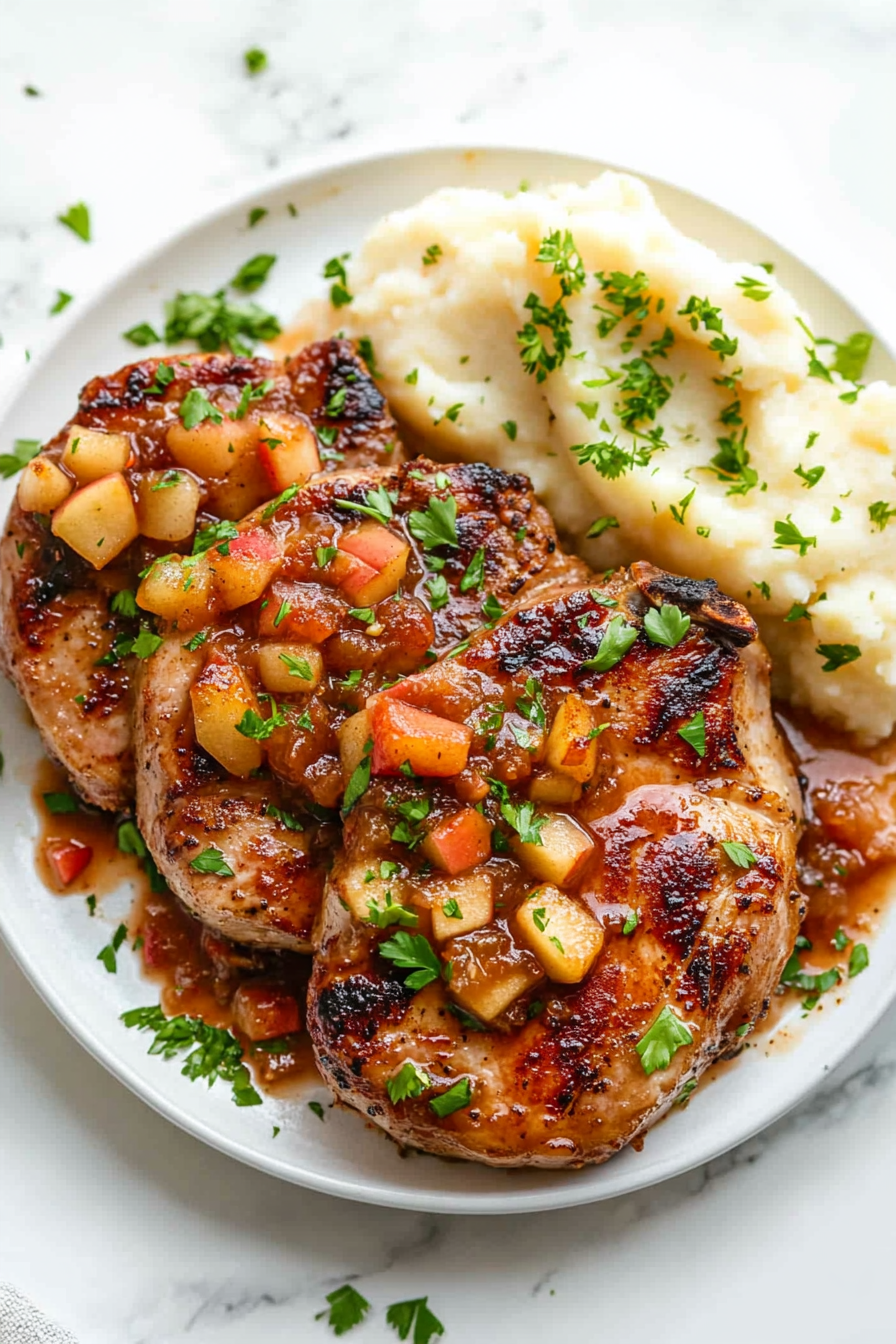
<point>108,954</point>
<point>414,1315</point>
<point>77,218</point>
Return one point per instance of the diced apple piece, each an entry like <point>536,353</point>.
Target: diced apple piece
<point>571,749</point>
<point>380,551</point>
<point>288,669</point>
<point>99,520</point>
<point>362,884</point>
<point>554,788</point>
<point>43,486</point>
<point>563,936</point>
<point>300,611</point>
<point>68,859</point>
<point>490,971</point>
<point>353,737</point>
<point>90,454</point>
<point>264,1010</point>
<point>209,449</point>
<point>178,590</point>
<point>167,502</point>
<point>287,451</point>
<point>564,850</point>
<point>353,578</point>
<point>244,572</point>
<point>434,747</point>
<point>220,697</point>
<point>459,842</point>
<point>460,904</point>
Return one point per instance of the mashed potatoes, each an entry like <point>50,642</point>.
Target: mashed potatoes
<point>671,396</point>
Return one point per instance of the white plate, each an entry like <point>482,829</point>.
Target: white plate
<point>55,941</point>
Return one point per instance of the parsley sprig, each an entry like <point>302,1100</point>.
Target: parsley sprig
<point>213,1052</point>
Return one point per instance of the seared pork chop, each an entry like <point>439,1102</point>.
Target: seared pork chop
<point>532,971</point>
<point>67,619</point>
<point>248,727</point>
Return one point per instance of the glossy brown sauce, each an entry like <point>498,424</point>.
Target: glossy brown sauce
<point>847,867</point>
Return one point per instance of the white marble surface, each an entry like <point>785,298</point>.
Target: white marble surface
<point>130,1232</point>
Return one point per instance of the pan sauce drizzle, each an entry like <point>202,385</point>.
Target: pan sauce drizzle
<point>847,865</point>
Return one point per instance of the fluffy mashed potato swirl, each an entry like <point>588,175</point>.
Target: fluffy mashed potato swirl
<point>684,403</point>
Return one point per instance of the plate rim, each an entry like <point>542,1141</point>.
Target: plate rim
<point>383,150</point>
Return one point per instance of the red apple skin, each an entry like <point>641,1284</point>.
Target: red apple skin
<point>459,842</point>
<point>355,577</point>
<point>68,859</point>
<point>375,545</point>
<point>256,544</point>
<point>434,747</point>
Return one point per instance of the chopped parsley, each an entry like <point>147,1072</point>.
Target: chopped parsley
<point>255,60</point>
<point>699,311</point>
<point>335,270</point>
<point>60,803</point>
<point>631,922</point>
<point>378,504</point>
<point>211,860</point>
<point>754,289</point>
<point>196,407</point>
<point>108,954</point>
<point>741,855</point>
<point>214,1052</point>
<point>347,1308</point>
<point>249,394</point>
<point>252,725</point>
<point>436,524</point>
<point>360,779</point>
<point>253,273</point>
<point>63,299</point>
<point>455,1099</point>
<point>297,667</point>
<point>809,476</point>
<point>880,514</point>
<point>858,960</point>
<point>124,603</point>
<point>509,428</point>
<point>214,534</point>
<point>283,498</point>
<point>414,952</point>
<point>600,525</point>
<point>256,215</point>
<point>77,218</point>
<point>22,452</point>
<point>410,1081</point>
<point>437,591</point>
<point>663,1039</point>
<point>414,1315</point>
<point>141,335</point>
<point>615,644</point>
<point>431,255</point>
<point>213,321</point>
<point>667,625</point>
<point>837,655</point>
<point>788,534</point>
<point>694,733</point>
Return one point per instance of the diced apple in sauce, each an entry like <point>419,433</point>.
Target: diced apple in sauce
<point>287,451</point>
<point>361,884</point>
<point>98,521</point>
<point>220,697</point>
<point>570,748</point>
<point>353,736</point>
<point>551,787</point>
<point>167,502</point>
<point>243,573</point>
<point>90,454</point>
<point>380,562</point>
<point>433,746</point>
<point>282,668</point>
<point>300,611</point>
<point>460,904</point>
<point>264,1010</point>
<point>178,591</point>
<point>459,842</point>
<point>490,971</point>
<point>563,936</point>
<point>564,850</point>
<point>209,449</point>
<point>43,486</point>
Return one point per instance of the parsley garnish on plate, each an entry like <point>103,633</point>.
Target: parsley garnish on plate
<point>858,960</point>
<point>666,1035</point>
<point>347,1308</point>
<point>63,299</point>
<point>255,60</point>
<point>253,273</point>
<point>22,452</point>
<point>77,218</point>
<point>335,270</point>
<point>214,1052</point>
<point>141,334</point>
<point>60,803</point>
<point>108,954</point>
<point>414,1315</point>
